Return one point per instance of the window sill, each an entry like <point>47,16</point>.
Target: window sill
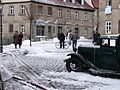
<point>11,14</point>
<point>21,14</point>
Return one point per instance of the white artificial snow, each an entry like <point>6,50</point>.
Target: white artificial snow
<point>48,61</point>
<point>5,74</point>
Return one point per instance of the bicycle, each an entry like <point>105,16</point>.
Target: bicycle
<point>66,45</point>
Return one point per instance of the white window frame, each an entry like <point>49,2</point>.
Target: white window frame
<point>68,14</point>
<point>22,28</point>
<point>86,16</point>
<point>59,12</point>
<point>40,10</point>
<point>108,27</point>
<point>76,15</point>
<point>11,10</point>
<point>22,9</point>
<point>108,2</point>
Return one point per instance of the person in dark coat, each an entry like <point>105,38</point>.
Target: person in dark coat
<point>16,39</point>
<point>61,37</point>
<point>96,36</point>
<point>20,39</point>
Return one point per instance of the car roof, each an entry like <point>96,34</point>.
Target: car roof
<point>110,36</point>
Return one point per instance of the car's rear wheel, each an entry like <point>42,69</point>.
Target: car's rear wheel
<point>73,64</point>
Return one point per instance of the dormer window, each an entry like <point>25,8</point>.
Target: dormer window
<point>108,2</point>
<point>108,9</point>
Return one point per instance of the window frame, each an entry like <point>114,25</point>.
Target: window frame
<point>40,10</point>
<point>108,27</point>
<point>22,10</point>
<point>68,14</point>
<point>11,10</point>
<point>11,29</point>
<point>108,2</point>
<point>49,11</point>
<point>59,12</point>
<point>22,28</point>
<point>86,16</point>
<point>76,15</point>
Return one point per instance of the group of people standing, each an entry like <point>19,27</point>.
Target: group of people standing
<point>17,39</point>
<point>71,36</point>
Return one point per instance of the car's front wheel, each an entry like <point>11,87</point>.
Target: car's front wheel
<point>73,64</point>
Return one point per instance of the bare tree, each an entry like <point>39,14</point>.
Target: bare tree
<point>31,16</point>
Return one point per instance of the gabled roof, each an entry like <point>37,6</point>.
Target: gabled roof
<point>95,3</point>
<point>67,4</point>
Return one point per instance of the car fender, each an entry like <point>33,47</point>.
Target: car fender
<point>83,60</point>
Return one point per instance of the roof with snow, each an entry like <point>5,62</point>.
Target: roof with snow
<point>87,5</point>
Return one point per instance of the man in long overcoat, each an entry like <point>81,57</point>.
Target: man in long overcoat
<point>20,39</point>
<point>61,37</point>
<point>16,39</point>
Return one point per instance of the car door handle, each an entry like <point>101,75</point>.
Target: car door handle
<point>108,53</point>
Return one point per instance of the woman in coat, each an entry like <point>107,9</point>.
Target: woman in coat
<point>16,39</point>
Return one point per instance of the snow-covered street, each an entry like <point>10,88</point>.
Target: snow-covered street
<point>43,64</point>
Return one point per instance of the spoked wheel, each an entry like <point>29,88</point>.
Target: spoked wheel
<point>73,64</point>
<point>57,45</point>
<point>66,44</point>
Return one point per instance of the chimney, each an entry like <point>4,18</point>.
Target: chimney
<point>64,0</point>
<point>82,2</point>
<point>73,1</point>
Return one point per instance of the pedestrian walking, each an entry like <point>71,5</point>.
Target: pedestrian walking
<point>96,36</point>
<point>20,39</point>
<point>16,39</point>
<point>74,40</point>
<point>61,38</point>
<point>69,36</point>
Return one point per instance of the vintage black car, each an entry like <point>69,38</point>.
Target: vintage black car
<point>102,59</point>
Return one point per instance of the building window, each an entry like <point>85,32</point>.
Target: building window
<point>22,9</point>
<point>40,30</point>
<point>119,26</point>
<point>59,29</point>
<point>108,27</point>
<point>11,10</point>
<point>68,14</point>
<point>40,10</point>
<point>86,32</point>
<point>77,31</point>
<point>11,28</point>
<point>22,28</point>
<point>108,2</point>
<point>49,11</point>
<point>76,15</point>
<point>53,29</point>
<point>59,13</point>
<point>85,16</point>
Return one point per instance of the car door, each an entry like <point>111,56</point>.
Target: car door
<point>108,55</point>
